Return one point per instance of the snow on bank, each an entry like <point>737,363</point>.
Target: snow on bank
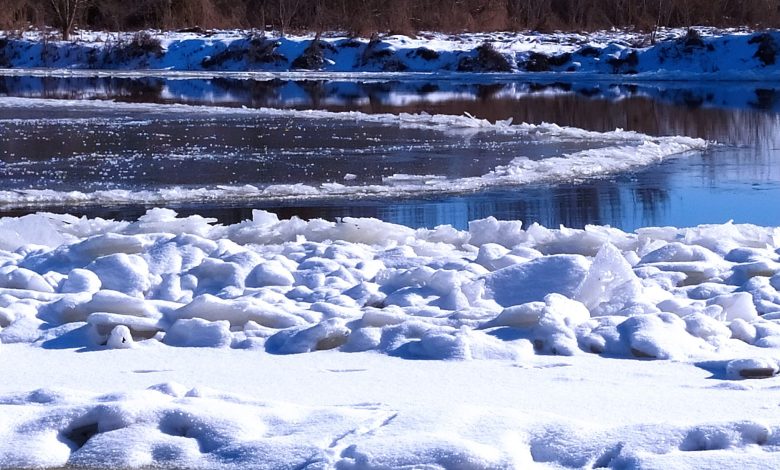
<point>362,411</point>
<point>706,54</point>
<point>310,325</point>
<point>604,153</point>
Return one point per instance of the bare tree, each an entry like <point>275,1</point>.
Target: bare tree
<point>287,11</point>
<point>364,17</point>
<point>65,14</point>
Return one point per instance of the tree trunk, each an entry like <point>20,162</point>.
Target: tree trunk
<point>66,12</point>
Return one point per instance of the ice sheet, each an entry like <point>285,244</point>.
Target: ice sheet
<point>602,154</point>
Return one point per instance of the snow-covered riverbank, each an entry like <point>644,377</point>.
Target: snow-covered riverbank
<point>677,54</point>
<point>219,321</point>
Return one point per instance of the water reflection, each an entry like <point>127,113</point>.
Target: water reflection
<point>739,181</point>
<point>718,111</point>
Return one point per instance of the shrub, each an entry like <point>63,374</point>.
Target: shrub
<point>313,58</point>
<point>488,59</point>
<point>144,43</point>
<point>767,48</point>
<point>425,53</point>
<point>4,62</point>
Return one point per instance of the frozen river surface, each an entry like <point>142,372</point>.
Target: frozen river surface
<point>243,144</point>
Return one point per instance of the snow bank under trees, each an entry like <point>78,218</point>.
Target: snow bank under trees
<point>704,53</point>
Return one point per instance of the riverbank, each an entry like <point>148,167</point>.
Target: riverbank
<point>703,53</point>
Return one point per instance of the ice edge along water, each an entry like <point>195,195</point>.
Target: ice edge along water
<point>156,289</point>
<point>631,150</point>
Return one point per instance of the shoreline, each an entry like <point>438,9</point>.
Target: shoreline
<point>694,54</point>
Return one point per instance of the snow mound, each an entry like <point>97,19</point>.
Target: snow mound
<point>498,291</point>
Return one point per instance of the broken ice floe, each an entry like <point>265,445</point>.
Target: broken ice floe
<point>497,290</point>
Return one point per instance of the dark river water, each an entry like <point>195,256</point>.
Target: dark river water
<point>71,148</point>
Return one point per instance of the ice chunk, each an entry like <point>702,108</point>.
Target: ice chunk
<point>328,334</point>
<point>30,229</point>
<point>490,256</point>
<point>7,316</point>
<point>76,307</point>
<point>519,316</point>
<point>140,327</point>
<point>661,336</point>
<point>262,218</point>
<point>13,277</point>
<point>736,305</point>
<point>166,220</point>
<point>681,306</point>
<point>377,317</point>
<point>106,244</point>
<point>774,281</point>
<point>165,257</point>
<point>752,368</point>
<point>463,344</point>
<point>81,280</point>
<point>706,328</point>
<point>745,271</point>
<point>600,335</point>
<point>237,312</point>
<point>535,279</point>
<point>501,232</point>
<point>363,339</point>
<point>219,277</point>
<point>366,293</point>
<point>170,288</point>
<point>117,302</point>
<point>196,332</point>
<point>120,338</point>
<point>743,331</point>
<point>678,252</point>
<point>270,273</point>
<point>555,333</point>
<point>610,285</point>
<point>124,273</point>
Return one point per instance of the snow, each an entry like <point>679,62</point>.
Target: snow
<point>712,54</point>
<point>177,342</point>
<point>269,343</point>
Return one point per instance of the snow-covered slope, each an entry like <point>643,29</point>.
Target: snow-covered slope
<point>286,344</point>
<point>677,54</point>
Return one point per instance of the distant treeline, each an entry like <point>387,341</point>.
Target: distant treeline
<point>364,17</point>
